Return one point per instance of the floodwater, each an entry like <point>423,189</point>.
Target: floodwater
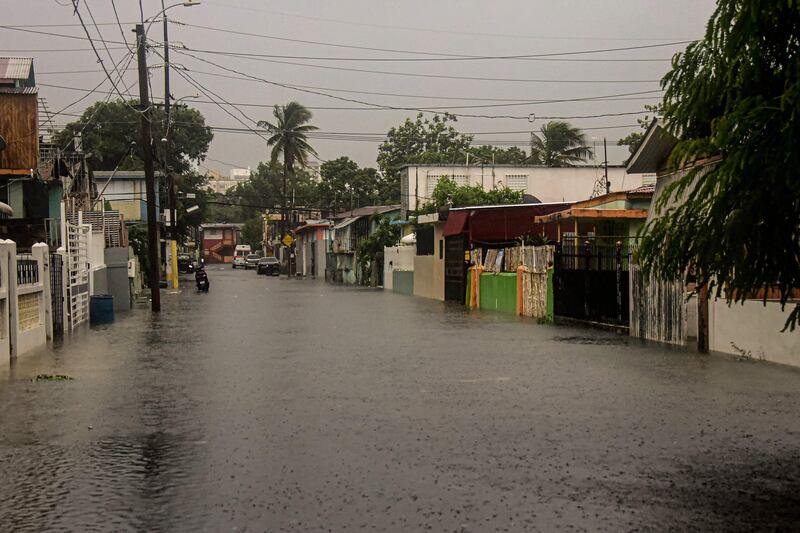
<point>287,405</point>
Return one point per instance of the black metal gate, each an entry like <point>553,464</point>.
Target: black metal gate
<point>591,283</point>
<point>57,292</point>
<point>455,269</point>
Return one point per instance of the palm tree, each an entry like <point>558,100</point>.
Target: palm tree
<point>288,139</point>
<point>559,145</point>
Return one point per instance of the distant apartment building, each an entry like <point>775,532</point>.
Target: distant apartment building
<point>221,184</point>
<point>539,184</point>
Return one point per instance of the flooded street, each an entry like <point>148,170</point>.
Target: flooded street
<point>277,405</point>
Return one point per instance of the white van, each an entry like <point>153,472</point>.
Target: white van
<point>240,255</point>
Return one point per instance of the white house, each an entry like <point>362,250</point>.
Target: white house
<point>545,184</point>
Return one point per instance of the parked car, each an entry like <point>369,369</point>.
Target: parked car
<point>251,261</point>
<point>269,266</point>
<point>185,264</point>
<point>240,255</point>
<point>240,261</point>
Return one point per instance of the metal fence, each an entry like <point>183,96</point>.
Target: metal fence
<point>57,292</point>
<point>591,283</point>
<point>27,270</point>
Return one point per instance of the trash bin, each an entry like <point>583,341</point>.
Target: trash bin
<point>101,309</point>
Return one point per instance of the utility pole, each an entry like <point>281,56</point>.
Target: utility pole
<point>172,253</point>
<point>147,150</point>
<point>605,165</point>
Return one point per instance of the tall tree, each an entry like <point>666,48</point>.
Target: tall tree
<point>422,140</point>
<point>289,139</point>
<point>634,139</point>
<point>735,94</point>
<point>110,132</point>
<point>559,144</point>
<point>344,184</point>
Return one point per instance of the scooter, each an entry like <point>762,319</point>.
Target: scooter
<point>201,279</point>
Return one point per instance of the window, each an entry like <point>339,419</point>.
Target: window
<point>517,182</point>
<point>425,240</point>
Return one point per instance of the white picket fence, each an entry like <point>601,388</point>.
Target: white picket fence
<point>77,251</point>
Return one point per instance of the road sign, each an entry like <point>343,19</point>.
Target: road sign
<point>288,240</point>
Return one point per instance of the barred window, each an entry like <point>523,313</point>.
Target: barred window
<point>431,185</point>
<point>517,182</point>
<point>462,180</point>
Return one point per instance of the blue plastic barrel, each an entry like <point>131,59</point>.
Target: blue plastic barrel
<point>101,309</point>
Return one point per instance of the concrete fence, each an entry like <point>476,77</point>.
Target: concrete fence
<point>26,314</point>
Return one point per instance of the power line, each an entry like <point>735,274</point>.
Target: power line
<point>440,30</point>
<point>416,74</point>
<point>599,98</point>
<point>105,45</point>
<point>370,104</point>
<point>416,52</point>
<point>94,49</point>
<point>527,57</point>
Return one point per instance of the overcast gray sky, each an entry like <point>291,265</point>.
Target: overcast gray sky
<point>411,29</point>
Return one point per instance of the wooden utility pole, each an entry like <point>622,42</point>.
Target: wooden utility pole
<point>172,263</point>
<point>149,174</point>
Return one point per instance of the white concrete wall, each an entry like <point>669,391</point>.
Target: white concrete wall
<point>396,258</point>
<point>24,339</point>
<point>565,184</point>
<point>753,330</point>
<point>7,250</point>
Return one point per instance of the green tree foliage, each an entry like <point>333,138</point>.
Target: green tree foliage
<point>559,144</point>
<point>111,133</point>
<point>422,140</point>
<point>735,94</point>
<point>499,156</point>
<point>385,234</point>
<point>448,192</point>
<point>344,184</point>
<point>253,232</point>
<point>289,139</point>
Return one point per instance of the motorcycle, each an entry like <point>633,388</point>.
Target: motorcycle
<point>201,279</point>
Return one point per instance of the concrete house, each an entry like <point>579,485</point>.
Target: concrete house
<point>350,228</point>
<point>538,183</point>
<point>125,191</point>
<point>312,244</point>
<point>752,328</point>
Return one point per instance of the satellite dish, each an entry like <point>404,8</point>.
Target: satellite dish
<point>530,199</point>
<point>2,143</point>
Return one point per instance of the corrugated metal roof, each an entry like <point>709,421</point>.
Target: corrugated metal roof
<point>346,222</point>
<point>12,89</point>
<point>15,68</point>
<point>653,150</point>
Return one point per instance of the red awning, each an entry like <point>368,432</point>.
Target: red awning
<point>506,224</point>
<point>456,223</point>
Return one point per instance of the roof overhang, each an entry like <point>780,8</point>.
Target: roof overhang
<point>653,151</point>
<point>597,214</point>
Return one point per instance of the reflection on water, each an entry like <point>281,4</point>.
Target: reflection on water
<point>292,405</point>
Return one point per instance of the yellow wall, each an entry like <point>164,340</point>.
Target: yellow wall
<point>130,210</point>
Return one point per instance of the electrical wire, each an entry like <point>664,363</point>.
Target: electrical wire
<point>362,102</point>
<point>105,45</point>
<point>94,48</point>
<point>231,31</point>
<point>417,74</point>
<point>119,24</point>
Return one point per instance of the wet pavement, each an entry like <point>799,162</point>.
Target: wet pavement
<point>286,405</point>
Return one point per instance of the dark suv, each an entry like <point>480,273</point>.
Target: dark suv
<point>269,266</point>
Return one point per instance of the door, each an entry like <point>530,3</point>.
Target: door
<point>455,269</point>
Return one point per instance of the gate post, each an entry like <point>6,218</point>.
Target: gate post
<point>13,309</point>
<point>41,252</point>
<point>618,257</point>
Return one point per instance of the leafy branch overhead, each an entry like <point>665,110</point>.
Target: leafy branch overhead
<point>735,95</point>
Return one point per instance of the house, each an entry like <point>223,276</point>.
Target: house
<point>538,183</point>
<point>471,231</point>
<point>312,244</point>
<point>349,230</point>
<point>219,241</point>
<point>604,219</point>
<point>660,310</point>
<point>428,279</point>
<point>125,190</point>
